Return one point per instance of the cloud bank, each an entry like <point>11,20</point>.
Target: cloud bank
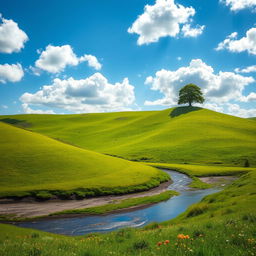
<point>92,94</point>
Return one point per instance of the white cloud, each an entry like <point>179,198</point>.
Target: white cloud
<point>162,19</point>
<point>217,88</point>
<point>237,5</point>
<point>4,107</point>
<point>212,106</point>
<point>92,94</point>
<point>11,73</point>
<point>250,97</point>
<point>249,69</point>
<point>12,38</point>
<point>236,110</point>
<point>54,59</point>
<point>29,110</point>
<point>92,61</point>
<point>247,43</point>
<point>192,32</point>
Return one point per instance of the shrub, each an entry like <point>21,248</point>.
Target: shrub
<point>246,163</point>
<point>43,195</point>
<point>140,245</point>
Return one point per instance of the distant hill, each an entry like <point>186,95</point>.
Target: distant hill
<point>177,135</point>
<point>35,165</point>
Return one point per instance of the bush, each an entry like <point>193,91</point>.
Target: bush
<point>246,163</point>
<point>140,245</point>
<point>43,195</point>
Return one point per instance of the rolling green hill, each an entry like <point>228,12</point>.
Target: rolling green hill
<point>33,164</point>
<point>178,135</point>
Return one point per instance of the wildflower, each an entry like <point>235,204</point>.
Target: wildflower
<point>182,236</point>
<point>159,243</point>
<point>166,242</point>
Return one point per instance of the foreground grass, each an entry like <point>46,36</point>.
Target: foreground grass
<point>123,204</point>
<point>205,238</point>
<point>221,224</point>
<point>35,165</point>
<point>178,135</point>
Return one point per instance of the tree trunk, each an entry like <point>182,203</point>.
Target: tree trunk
<point>190,104</point>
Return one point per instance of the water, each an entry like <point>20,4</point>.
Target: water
<point>104,223</point>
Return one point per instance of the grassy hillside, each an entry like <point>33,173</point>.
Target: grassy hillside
<point>33,164</point>
<point>178,135</point>
<point>222,224</point>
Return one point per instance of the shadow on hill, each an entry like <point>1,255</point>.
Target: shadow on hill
<point>16,122</point>
<point>183,110</point>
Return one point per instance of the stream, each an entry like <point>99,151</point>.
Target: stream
<point>136,218</point>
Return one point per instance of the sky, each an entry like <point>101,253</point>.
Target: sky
<point>87,56</point>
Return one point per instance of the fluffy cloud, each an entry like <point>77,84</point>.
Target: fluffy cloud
<point>12,38</point>
<point>92,61</point>
<point>237,5</point>
<point>250,97</point>
<point>162,19</point>
<point>249,69</point>
<point>54,59</point>
<point>92,94</point>
<point>217,88</point>
<point>11,73</point>
<point>247,43</point>
<point>236,110</point>
<point>29,110</point>
<point>192,32</point>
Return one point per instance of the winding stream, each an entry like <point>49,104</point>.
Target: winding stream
<point>104,223</point>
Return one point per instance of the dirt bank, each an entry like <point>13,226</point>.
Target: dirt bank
<point>35,209</point>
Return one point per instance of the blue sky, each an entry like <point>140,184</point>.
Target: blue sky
<point>98,56</point>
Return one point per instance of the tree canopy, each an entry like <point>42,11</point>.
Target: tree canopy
<point>190,93</point>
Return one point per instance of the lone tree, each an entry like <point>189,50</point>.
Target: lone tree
<point>190,93</point>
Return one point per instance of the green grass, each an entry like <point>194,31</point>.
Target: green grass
<point>221,224</point>
<point>179,135</point>
<point>195,171</point>
<point>217,144</point>
<point>35,165</point>
<point>126,203</point>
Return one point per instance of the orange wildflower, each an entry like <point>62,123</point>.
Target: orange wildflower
<point>166,242</point>
<point>182,236</point>
<point>159,243</point>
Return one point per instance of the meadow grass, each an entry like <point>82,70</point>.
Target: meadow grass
<point>195,171</point>
<point>123,204</point>
<point>178,135</point>
<point>221,224</point>
<point>35,165</point>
